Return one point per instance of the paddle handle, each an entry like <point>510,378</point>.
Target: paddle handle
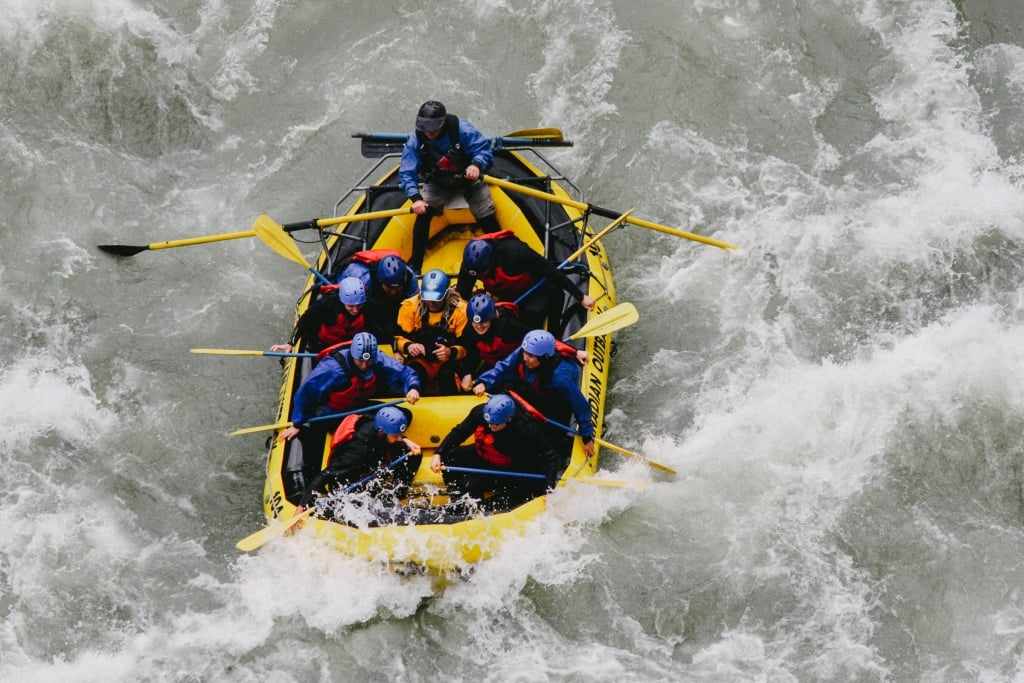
<point>314,223</point>
<point>499,141</point>
<point>500,473</point>
<point>202,240</point>
<point>539,415</point>
<point>606,213</point>
<point>614,224</point>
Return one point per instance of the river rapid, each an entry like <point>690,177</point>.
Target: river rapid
<point>841,395</point>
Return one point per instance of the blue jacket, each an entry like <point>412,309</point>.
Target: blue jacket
<point>474,143</point>
<point>329,375</point>
<point>564,383</point>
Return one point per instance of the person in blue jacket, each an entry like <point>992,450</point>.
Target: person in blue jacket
<point>548,380</point>
<point>347,379</point>
<point>449,155</point>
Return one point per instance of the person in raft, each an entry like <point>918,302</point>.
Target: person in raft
<point>363,444</point>
<point>547,379</point>
<point>491,335</point>
<point>428,328</point>
<point>449,155</point>
<point>348,378</point>
<point>388,282</point>
<point>508,268</point>
<point>336,317</point>
<point>504,438</point>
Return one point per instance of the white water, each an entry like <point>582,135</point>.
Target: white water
<point>842,395</point>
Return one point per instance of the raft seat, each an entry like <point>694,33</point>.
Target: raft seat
<point>450,231</point>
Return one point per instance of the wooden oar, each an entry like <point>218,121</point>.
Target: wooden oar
<point>131,250</point>
<point>272,531</point>
<point>277,239</point>
<point>607,213</point>
<point>319,418</point>
<point>541,416</point>
<point>572,257</point>
<point>606,322</point>
<point>242,352</point>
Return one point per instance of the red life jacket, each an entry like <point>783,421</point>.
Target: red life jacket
<point>331,349</point>
<point>345,431</point>
<point>342,329</point>
<point>372,256</point>
<point>483,438</point>
<point>494,349</point>
<point>500,284</point>
<point>353,394</point>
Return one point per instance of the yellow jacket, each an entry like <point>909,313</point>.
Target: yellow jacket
<point>413,316</point>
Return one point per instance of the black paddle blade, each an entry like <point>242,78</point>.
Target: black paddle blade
<point>122,249</point>
<point>375,148</point>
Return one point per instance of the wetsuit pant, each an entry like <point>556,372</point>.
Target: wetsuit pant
<point>436,195</point>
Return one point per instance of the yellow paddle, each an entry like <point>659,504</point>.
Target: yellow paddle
<point>636,456</point>
<point>607,213</point>
<point>274,236</point>
<point>247,352</point>
<point>613,483</point>
<point>606,322</point>
<point>131,250</point>
<point>319,418</point>
<point>536,414</point>
<point>272,531</point>
<point>608,228</point>
<point>549,133</point>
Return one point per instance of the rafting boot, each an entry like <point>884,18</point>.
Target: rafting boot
<point>420,237</point>
<point>489,223</point>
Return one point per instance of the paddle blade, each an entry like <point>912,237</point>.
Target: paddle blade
<point>274,236</point>
<point>272,531</point>
<point>122,249</point>
<point>615,318</point>
<point>261,428</point>
<point>549,133</point>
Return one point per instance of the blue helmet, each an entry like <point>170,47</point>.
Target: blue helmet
<point>499,409</point>
<point>391,270</point>
<point>435,285</point>
<point>478,257</point>
<point>360,271</point>
<point>480,308</point>
<point>363,347</point>
<point>351,291</point>
<point>539,343</point>
<point>391,420</point>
